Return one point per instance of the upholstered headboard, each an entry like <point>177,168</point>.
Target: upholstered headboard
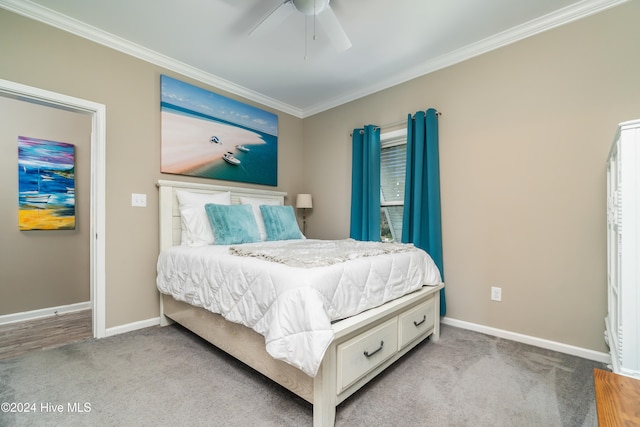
<point>170,230</point>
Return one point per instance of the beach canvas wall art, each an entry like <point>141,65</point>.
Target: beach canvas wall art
<point>211,136</point>
<point>46,181</point>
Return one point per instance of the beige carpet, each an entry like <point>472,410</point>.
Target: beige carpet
<point>169,377</point>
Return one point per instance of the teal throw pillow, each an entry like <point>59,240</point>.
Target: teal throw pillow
<point>280,222</point>
<point>232,224</point>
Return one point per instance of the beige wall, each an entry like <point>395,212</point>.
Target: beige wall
<point>41,56</point>
<point>42,269</point>
<point>524,138</point>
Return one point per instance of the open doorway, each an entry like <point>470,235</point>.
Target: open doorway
<point>96,235</point>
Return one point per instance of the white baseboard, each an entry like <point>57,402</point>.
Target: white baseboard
<point>501,333</point>
<point>526,339</point>
<point>132,326</point>
<point>43,312</point>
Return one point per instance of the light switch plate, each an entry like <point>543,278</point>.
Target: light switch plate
<point>139,200</point>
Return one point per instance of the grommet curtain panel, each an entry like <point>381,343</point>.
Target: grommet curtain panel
<point>422,221</point>
<point>365,184</point>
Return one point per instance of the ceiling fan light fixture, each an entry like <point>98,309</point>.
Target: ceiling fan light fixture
<point>310,7</point>
<point>321,12</point>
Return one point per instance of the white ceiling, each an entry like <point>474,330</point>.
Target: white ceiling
<point>393,40</point>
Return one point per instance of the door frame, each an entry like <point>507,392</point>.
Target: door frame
<point>98,184</point>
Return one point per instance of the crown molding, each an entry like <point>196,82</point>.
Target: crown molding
<point>81,29</point>
<point>555,19</point>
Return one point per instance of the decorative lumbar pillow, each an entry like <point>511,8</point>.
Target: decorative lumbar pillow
<point>196,230</point>
<point>232,224</point>
<point>280,222</point>
<point>255,205</point>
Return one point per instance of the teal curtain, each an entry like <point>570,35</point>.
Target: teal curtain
<point>365,184</point>
<point>422,222</point>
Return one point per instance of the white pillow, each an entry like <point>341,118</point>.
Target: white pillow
<point>255,206</point>
<point>196,230</point>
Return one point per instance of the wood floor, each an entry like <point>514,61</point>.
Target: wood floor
<point>48,332</point>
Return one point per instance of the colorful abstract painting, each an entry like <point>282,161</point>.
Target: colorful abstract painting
<point>46,181</point>
<point>211,136</point>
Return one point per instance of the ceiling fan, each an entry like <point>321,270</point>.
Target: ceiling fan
<point>319,9</point>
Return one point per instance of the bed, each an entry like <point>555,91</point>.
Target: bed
<point>323,358</point>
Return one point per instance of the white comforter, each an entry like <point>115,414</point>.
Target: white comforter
<point>291,307</point>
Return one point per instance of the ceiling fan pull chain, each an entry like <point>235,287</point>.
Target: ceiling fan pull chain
<point>306,38</point>
<point>314,19</point>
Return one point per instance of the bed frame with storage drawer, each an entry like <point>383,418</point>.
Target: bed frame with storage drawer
<point>363,346</point>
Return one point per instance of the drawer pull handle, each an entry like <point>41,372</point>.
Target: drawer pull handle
<point>367,354</point>
<point>424,319</point>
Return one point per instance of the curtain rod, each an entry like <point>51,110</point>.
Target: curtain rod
<point>393,124</point>
<point>401,122</point>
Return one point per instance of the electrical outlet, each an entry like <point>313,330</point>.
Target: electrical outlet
<point>496,294</point>
<point>139,200</point>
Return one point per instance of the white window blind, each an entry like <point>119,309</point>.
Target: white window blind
<point>393,157</point>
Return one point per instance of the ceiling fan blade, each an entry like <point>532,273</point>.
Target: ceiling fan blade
<point>331,26</point>
<point>273,20</point>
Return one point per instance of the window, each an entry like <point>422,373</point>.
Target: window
<point>393,159</point>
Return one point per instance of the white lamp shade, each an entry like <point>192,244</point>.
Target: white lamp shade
<point>304,201</point>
